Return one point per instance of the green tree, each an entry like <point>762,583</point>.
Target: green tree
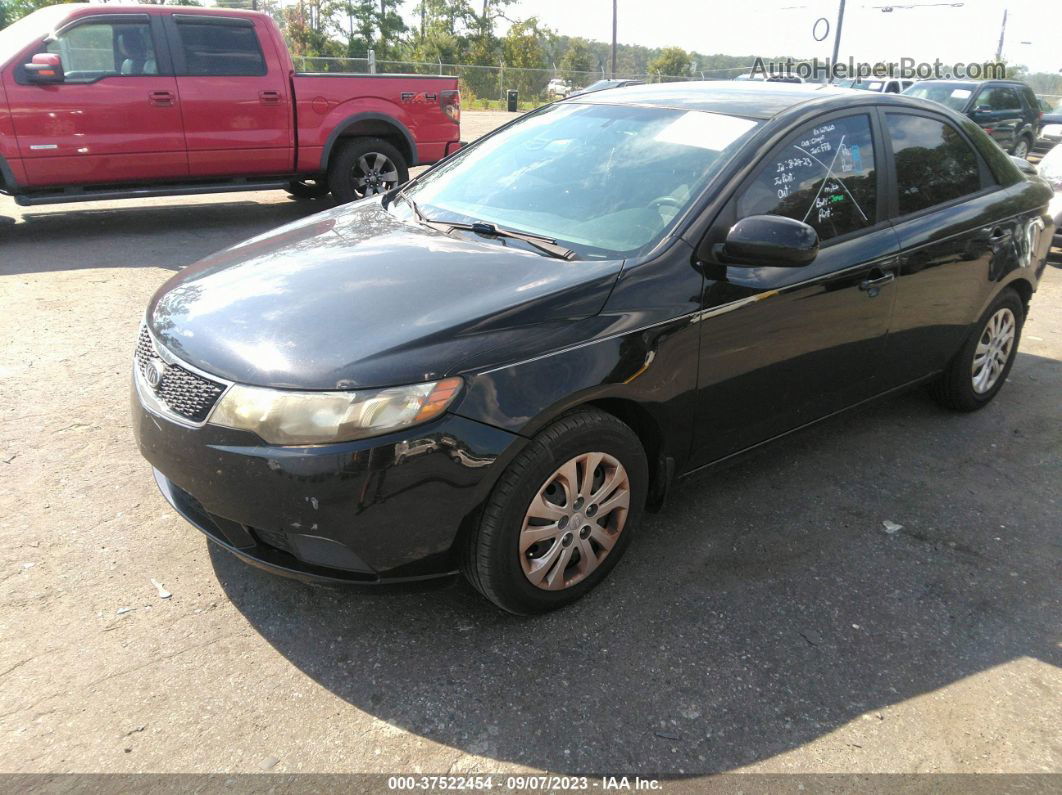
<point>523,53</point>
<point>578,60</point>
<point>671,62</point>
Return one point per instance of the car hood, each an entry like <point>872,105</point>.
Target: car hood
<point>354,297</point>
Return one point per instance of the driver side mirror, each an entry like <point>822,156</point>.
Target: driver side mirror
<point>46,67</point>
<point>769,241</point>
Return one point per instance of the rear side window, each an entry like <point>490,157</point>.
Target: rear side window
<point>998,98</point>
<point>220,50</point>
<point>934,164</point>
<point>825,177</point>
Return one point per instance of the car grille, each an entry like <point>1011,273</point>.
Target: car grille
<point>184,393</point>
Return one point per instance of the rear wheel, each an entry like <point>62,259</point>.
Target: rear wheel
<point>308,188</point>
<point>980,369</point>
<point>1021,148</point>
<point>561,515</point>
<point>365,167</point>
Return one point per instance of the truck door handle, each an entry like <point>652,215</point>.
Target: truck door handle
<point>269,97</point>
<point>873,285</point>
<point>162,99</point>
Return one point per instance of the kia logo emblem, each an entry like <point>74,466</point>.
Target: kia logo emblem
<point>153,373</point>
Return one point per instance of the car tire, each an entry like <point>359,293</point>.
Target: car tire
<point>1022,147</point>
<point>365,167</point>
<point>502,558</point>
<point>308,188</point>
<point>965,386</point>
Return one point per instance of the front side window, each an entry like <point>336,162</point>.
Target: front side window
<point>103,49</point>
<point>220,50</point>
<point>934,164</point>
<point>606,180</point>
<point>825,177</point>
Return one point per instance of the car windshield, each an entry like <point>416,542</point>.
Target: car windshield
<point>862,85</point>
<point>954,96</point>
<point>605,180</point>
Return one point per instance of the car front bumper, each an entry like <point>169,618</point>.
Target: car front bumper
<point>371,512</point>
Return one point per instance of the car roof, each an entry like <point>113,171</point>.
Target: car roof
<point>751,99</point>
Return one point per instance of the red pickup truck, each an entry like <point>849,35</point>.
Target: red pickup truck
<point>104,102</point>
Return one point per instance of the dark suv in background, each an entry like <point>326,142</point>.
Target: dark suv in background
<point>1006,109</point>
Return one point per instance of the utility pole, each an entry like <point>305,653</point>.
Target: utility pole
<point>614,38</point>
<point>837,39</point>
<point>1002,33</point>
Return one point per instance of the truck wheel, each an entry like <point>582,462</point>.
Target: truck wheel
<point>560,516</point>
<point>365,167</point>
<point>308,188</point>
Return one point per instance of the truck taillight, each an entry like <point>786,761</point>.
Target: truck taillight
<point>451,104</point>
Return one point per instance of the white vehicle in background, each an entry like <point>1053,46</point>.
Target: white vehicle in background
<point>559,88</point>
<point>880,86</point>
<point>1050,168</point>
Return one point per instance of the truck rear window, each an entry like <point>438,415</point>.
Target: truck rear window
<point>220,50</point>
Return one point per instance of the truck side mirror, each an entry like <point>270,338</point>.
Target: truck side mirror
<point>46,67</point>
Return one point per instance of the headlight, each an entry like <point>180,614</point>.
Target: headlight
<point>282,417</point>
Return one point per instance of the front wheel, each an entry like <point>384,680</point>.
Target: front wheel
<point>365,167</point>
<point>561,515</point>
<point>980,369</point>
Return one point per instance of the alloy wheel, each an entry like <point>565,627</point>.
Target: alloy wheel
<point>993,350</point>
<point>1021,149</point>
<point>574,521</point>
<point>373,173</point>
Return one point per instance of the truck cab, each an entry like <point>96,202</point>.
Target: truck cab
<point>111,102</point>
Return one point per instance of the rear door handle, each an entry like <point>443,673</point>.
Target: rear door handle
<point>163,99</point>
<point>269,97</point>
<point>872,286</point>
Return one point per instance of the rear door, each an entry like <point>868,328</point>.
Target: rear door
<point>947,209</point>
<point>781,347</point>
<point>235,96</point>
<point>115,118</point>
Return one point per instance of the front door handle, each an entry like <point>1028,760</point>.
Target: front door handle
<point>873,285</point>
<point>269,97</point>
<point>162,99</point>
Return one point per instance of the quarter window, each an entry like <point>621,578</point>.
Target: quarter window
<point>220,50</point>
<point>103,49</point>
<point>934,164</point>
<point>825,177</point>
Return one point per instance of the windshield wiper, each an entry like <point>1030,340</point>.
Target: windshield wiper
<point>544,244</point>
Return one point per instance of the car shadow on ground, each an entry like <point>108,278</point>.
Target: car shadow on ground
<point>165,236</point>
<point>766,606</point>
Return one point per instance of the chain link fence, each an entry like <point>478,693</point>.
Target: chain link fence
<point>485,87</point>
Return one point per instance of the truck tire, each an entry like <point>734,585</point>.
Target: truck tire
<point>365,167</point>
<point>308,188</point>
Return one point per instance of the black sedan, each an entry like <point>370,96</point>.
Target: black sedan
<point>497,367</point>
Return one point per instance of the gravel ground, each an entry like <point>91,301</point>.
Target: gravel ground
<point>765,621</point>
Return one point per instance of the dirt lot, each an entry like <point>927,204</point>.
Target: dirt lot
<point>765,621</point>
